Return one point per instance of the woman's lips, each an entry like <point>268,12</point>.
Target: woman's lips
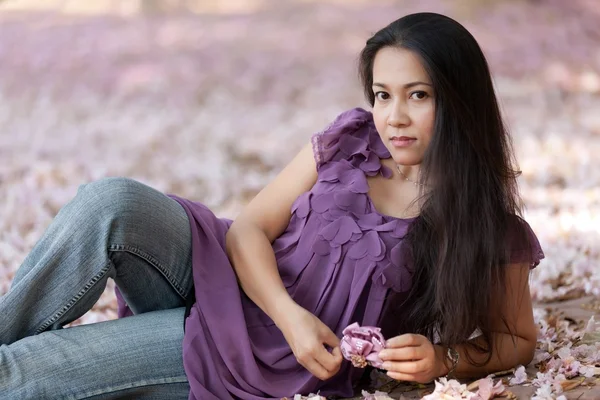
<point>402,141</point>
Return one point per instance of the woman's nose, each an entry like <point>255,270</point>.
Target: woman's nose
<point>398,117</point>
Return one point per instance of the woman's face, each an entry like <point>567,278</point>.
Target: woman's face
<point>404,108</point>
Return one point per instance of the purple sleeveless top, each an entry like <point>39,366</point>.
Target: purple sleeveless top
<point>338,258</point>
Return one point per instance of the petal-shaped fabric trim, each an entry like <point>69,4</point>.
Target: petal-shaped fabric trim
<point>355,180</point>
<point>352,138</point>
<point>369,221</point>
<point>329,174</point>
<point>322,202</point>
<point>333,214</point>
<point>289,239</point>
<point>399,279</point>
<point>388,226</point>
<point>355,237</point>
<point>344,199</point>
<point>353,202</point>
<point>325,187</point>
<point>396,254</point>
<point>400,229</point>
<point>401,256</point>
<point>301,207</point>
<point>324,248</point>
<point>386,172</point>
<point>371,164</point>
<point>326,144</point>
<point>340,231</point>
<point>321,247</point>
<point>351,145</point>
<point>370,246</point>
<point>376,144</point>
<point>336,254</point>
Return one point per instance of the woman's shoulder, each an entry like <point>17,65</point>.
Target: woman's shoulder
<point>351,133</point>
<point>524,245</point>
<point>353,115</point>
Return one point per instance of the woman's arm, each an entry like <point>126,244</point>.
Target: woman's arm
<point>412,357</point>
<point>509,350</point>
<point>248,241</point>
<point>248,244</point>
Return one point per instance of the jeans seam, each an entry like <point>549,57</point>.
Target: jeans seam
<point>74,300</point>
<point>132,385</point>
<point>152,261</point>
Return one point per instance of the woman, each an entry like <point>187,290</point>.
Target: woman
<point>404,217</point>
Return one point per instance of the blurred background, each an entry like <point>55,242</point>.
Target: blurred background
<point>208,99</point>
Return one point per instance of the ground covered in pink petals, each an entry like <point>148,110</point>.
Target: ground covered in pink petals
<point>210,102</point>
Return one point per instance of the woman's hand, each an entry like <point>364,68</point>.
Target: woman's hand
<point>412,358</point>
<point>307,335</point>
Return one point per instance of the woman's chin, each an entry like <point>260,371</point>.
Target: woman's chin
<point>404,159</point>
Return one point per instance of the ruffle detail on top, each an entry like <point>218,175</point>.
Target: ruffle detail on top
<point>346,153</point>
<point>397,274</point>
<point>352,136</point>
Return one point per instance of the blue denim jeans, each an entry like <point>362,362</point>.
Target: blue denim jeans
<point>114,228</point>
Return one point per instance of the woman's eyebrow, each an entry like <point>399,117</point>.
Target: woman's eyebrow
<point>406,86</point>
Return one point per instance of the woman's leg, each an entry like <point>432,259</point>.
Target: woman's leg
<point>114,228</point>
<point>137,357</point>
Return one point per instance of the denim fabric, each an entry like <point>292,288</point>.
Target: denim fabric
<point>114,228</point>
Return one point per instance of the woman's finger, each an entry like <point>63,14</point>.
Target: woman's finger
<point>315,368</point>
<point>403,377</point>
<point>403,353</point>
<point>408,339</point>
<point>337,353</point>
<point>407,367</point>
<point>328,360</point>
<point>329,338</point>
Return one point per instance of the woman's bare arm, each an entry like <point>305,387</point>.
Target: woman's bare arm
<point>248,244</point>
<point>248,241</point>
<point>509,350</point>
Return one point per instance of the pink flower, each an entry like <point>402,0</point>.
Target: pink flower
<point>488,390</point>
<point>375,396</point>
<point>361,345</point>
<point>544,393</point>
<point>589,371</point>
<point>520,376</point>
<point>452,389</point>
<point>449,389</point>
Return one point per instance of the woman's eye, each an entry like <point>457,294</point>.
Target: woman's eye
<point>418,95</point>
<point>382,95</point>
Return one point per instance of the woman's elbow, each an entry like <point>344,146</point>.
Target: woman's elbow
<point>528,352</point>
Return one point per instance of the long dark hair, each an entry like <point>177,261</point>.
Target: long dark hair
<point>458,244</point>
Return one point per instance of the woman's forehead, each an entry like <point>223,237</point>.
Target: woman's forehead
<point>394,65</point>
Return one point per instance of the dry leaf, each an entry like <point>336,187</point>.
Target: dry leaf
<point>571,384</point>
<point>590,338</point>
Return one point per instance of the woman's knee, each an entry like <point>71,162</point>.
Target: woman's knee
<point>113,197</point>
